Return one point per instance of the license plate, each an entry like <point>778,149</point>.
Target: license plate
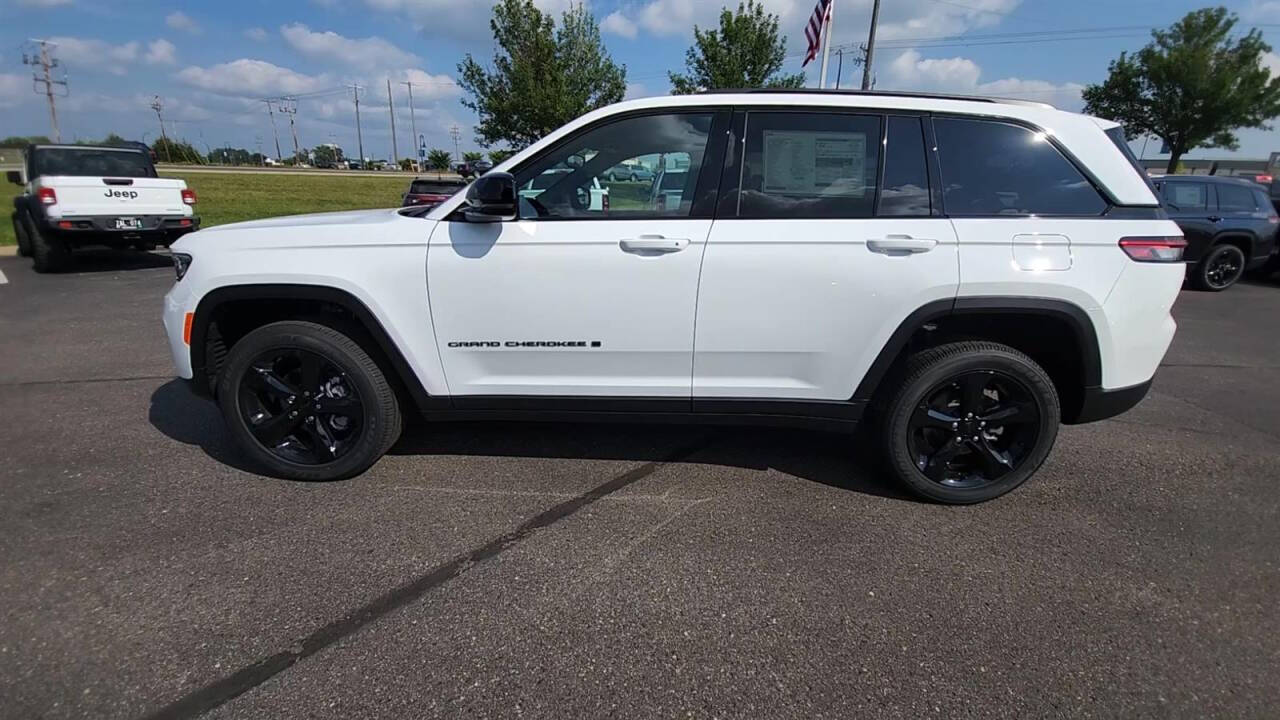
<point>128,223</point>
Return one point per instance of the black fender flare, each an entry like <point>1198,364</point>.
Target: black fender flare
<point>1071,314</point>
<point>1226,235</point>
<point>208,305</point>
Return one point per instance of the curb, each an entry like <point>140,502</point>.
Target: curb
<point>8,250</point>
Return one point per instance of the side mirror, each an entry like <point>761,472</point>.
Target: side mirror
<point>491,198</point>
<point>14,177</point>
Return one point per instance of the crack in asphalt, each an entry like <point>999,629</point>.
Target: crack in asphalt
<point>219,692</point>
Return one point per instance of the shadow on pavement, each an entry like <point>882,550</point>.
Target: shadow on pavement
<point>838,460</point>
<point>105,260</point>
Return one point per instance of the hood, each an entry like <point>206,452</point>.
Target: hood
<point>343,218</point>
<point>355,228</point>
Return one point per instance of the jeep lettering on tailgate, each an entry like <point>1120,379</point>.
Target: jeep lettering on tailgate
<point>131,194</point>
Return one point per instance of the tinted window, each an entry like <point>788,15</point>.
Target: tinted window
<point>906,174</point>
<point>431,187</point>
<point>91,162</point>
<point>809,165</point>
<point>1187,196</point>
<point>993,168</point>
<point>1260,198</point>
<point>1235,198</point>
<point>571,181</point>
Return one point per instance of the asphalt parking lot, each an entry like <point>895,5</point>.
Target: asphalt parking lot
<point>499,570</point>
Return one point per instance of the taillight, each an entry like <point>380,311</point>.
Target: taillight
<point>1264,179</point>
<point>188,196</point>
<point>47,196</point>
<point>1154,249</point>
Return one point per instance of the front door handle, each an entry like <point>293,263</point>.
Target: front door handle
<point>901,245</point>
<point>1214,219</point>
<point>653,245</point>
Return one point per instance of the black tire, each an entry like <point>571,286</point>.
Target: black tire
<point>1220,269</point>
<point>24,240</point>
<point>49,253</point>
<point>633,177</point>
<point>913,422</point>
<point>376,424</point>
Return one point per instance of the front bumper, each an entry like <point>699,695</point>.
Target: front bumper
<point>1100,403</point>
<point>177,303</point>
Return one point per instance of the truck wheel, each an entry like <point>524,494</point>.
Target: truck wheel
<point>1220,269</point>
<point>20,232</point>
<point>969,422</point>
<point>306,402</point>
<point>49,253</point>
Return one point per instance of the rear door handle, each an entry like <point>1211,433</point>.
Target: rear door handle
<point>901,245</point>
<point>653,245</point>
<point>1214,219</point>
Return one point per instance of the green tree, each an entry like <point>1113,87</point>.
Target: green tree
<point>497,156</point>
<point>23,140</point>
<point>473,157</point>
<point>1191,86</point>
<point>745,52</point>
<point>327,155</point>
<point>175,151</point>
<point>543,76</point>
<point>438,159</point>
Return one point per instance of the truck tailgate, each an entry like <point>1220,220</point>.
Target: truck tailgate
<point>91,196</point>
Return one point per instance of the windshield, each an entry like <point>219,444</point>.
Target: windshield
<point>92,162</point>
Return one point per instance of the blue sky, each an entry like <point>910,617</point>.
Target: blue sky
<point>213,62</point>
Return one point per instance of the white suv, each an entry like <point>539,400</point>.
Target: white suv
<point>967,272</point>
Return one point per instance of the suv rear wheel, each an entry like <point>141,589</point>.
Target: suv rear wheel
<point>1220,269</point>
<point>969,422</point>
<point>306,402</point>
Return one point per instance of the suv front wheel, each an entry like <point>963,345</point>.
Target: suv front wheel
<point>969,422</point>
<point>306,402</point>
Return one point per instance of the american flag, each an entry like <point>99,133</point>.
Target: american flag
<point>813,31</point>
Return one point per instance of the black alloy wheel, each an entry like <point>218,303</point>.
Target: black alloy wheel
<point>973,429</point>
<point>300,406</point>
<point>1222,268</point>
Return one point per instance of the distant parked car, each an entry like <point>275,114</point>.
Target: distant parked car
<point>633,173</point>
<point>431,192</point>
<point>1229,223</point>
<point>483,166</point>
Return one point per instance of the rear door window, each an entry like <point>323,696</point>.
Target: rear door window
<point>905,190</point>
<point>1187,196</point>
<point>810,165</point>
<point>1236,199</point>
<point>996,168</point>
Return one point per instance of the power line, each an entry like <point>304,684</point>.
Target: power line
<point>272,114</point>
<point>46,62</point>
<point>158,106</point>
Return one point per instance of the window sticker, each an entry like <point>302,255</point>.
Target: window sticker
<point>815,163</point>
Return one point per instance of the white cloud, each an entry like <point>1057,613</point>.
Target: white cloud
<point>1263,11</point>
<point>14,89</point>
<point>427,86</point>
<point>461,21</point>
<point>162,52</point>
<point>256,34</point>
<point>96,54</point>
<point>618,24</point>
<point>1271,61</point>
<point>636,90</point>
<point>363,53</point>
<point>179,20</point>
<point>247,77</point>
<point>912,71</point>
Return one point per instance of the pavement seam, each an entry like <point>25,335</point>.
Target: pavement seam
<point>220,692</point>
<point>37,383</point>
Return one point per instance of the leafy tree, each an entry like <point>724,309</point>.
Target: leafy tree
<point>1192,86</point>
<point>438,159</point>
<point>327,155</point>
<point>542,76</point>
<point>497,156</point>
<point>473,157</point>
<point>406,164</point>
<point>745,52</point>
<point>22,141</point>
<point>175,151</point>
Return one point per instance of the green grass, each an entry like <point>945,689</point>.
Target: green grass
<point>8,191</point>
<point>233,197</point>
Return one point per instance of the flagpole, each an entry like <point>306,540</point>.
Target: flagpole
<point>826,41</point>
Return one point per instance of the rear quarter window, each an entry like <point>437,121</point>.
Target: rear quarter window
<point>997,168</point>
<point>1236,198</point>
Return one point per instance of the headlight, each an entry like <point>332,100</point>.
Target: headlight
<point>181,264</point>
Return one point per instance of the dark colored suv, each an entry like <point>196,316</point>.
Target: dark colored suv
<point>431,192</point>
<point>1229,223</point>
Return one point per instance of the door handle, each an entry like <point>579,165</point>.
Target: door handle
<point>901,245</point>
<point>653,245</point>
<point>1214,219</point>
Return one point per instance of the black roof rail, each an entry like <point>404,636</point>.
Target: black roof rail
<point>875,93</point>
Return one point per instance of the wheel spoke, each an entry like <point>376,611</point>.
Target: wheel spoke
<point>935,467</point>
<point>309,371</point>
<point>927,417</point>
<point>972,391</point>
<point>322,443</point>
<point>1011,413</point>
<point>994,462</point>
<point>346,406</point>
<point>273,430</point>
<point>266,380</point>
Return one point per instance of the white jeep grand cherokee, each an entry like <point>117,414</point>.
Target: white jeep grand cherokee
<point>969,273</point>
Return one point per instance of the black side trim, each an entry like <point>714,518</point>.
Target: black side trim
<point>1100,404</point>
<point>843,410</point>
<point>569,403</point>
<point>1074,316</point>
<point>210,302</point>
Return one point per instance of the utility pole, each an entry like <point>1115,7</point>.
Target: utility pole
<point>158,106</point>
<point>271,112</point>
<point>413,125</point>
<point>871,46</point>
<point>456,132</point>
<point>355,93</point>
<point>45,62</point>
<point>289,106</point>
<point>839,66</point>
<point>395,154</point>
